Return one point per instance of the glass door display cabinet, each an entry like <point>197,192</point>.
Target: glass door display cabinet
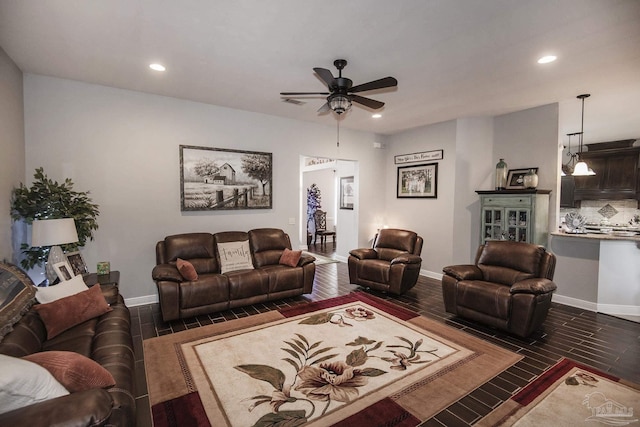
<point>518,215</point>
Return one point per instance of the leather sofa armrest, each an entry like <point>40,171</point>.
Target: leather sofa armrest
<point>463,272</point>
<point>364,253</point>
<point>306,259</point>
<point>84,408</point>
<point>534,286</point>
<point>166,272</point>
<point>406,259</point>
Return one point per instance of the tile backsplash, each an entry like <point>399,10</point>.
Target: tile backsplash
<point>617,211</point>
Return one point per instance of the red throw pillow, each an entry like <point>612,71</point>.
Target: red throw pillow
<point>290,257</point>
<point>74,371</point>
<point>186,269</point>
<point>64,313</point>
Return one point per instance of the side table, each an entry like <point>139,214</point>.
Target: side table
<point>113,278</point>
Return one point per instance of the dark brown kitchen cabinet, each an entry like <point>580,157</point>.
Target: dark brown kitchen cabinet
<point>567,190</point>
<point>616,174</point>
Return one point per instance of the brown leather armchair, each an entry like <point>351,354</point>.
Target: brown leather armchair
<point>391,265</point>
<point>509,287</point>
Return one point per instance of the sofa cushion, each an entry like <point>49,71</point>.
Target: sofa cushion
<point>61,290</point>
<point>209,289</point>
<point>290,258</point>
<point>374,270</point>
<point>234,256</point>
<point>62,314</point>
<point>512,255</point>
<point>248,284</point>
<point>186,269</point>
<point>488,298</point>
<point>17,295</point>
<point>267,245</point>
<point>74,371</point>
<point>23,383</point>
<point>392,242</point>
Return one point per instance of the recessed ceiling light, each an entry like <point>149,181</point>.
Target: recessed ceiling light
<point>546,59</point>
<point>157,67</point>
<point>376,116</point>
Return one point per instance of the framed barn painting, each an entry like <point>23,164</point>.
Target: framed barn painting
<point>214,179</point>
<point>420,181</point>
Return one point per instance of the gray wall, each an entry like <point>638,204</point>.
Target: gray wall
<point>12,159</point>
<point>123,147</point>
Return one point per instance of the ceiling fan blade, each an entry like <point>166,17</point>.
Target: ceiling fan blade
<point>376,84</point>
<point>303,93</point>
<point>367,102</point>
<point>325,75</point>
<point>324,108</point>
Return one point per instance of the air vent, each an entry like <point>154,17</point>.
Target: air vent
<point>293,101</point>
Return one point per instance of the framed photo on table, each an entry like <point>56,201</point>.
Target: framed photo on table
<point>63,270</point>
<point>77,263</point>
<point>515,178</point>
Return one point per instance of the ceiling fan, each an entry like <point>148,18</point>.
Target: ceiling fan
<point>342,92</point>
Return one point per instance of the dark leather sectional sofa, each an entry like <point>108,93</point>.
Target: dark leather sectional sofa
<point>266,280</point>
<point>106,340</point>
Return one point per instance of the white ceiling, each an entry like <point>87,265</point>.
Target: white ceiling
<point>452,58</point>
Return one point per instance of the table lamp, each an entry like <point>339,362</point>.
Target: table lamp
<point>53,232</point>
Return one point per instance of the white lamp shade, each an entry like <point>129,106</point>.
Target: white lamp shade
<point>51,232</point>
<point>581,169</point>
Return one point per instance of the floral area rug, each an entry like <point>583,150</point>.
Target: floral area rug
<point>567,395</point>
<point>353,360</point>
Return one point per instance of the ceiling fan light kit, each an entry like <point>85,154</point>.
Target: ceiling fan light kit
<point>342,92</point>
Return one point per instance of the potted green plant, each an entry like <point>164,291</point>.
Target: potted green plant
<point>48,199</point>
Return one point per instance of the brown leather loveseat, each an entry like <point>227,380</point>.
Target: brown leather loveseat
<point>105,339</point>
<point>391,265</point>
<point>262,277</point>
<point>509,287</point>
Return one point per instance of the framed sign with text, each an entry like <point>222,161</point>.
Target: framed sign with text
<point>419,157</point>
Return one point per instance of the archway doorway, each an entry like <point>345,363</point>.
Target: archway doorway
<point>328,175</point>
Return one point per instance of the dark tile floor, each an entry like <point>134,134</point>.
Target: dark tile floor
<point>605,342</point>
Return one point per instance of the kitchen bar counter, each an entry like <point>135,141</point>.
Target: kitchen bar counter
<point>598,236</point>
<point>597,271</point>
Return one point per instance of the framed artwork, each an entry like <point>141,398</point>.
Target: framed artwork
<point>347,192</point>
<point>214,179</point>
<point>63,270</point>
<point>419,181</point>
<point>78,266</point>
<point>515,178</point>
<point>423,156</point>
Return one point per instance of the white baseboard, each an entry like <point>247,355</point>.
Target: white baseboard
<point>574,302</point>
<point>431,274</point>
<point>613,309</point>
<point>147,299</point>
<point>340,258</point>
<point>619,310</point>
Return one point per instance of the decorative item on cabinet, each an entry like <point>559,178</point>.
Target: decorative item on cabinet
<point>530,179</point>
<point>519,215</point>
<point>501,175</point>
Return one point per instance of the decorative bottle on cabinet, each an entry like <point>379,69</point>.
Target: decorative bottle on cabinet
<point>530,179</point>
<point>501,175</point>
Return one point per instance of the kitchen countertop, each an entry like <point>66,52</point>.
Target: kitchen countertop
<point>597,236</point>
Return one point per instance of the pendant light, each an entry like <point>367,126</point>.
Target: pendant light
<point>581,168</point>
